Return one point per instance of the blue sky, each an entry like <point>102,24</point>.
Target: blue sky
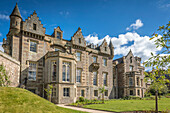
<point>134,20</point>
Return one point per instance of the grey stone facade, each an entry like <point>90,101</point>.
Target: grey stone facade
<point>129,76</point>
<point>73,67</point>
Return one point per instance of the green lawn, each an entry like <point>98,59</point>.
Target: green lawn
<point>16,100</point>
<point>131,105</point>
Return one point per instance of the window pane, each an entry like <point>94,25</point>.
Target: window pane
<point>58,35</point>
<point>64,73</point>
<point>105,78</point>
<point>78,78</point>
<point>130,82</point>
<point>33,46</point>
<point>105,62</point>
<point>82,93</point>
<point>78,55</point>
<point>54,72</point>
<point>68,73</point>
<point>95,78</point>
<point>32,71</point>
<point>95,59</point>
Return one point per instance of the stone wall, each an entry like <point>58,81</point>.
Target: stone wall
<point>12,67</point>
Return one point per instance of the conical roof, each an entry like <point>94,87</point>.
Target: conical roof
<point>16,12</point>
<point>110,44</point>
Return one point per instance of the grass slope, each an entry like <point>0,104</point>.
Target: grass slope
<point>131,105</point>
<point>16,100</point>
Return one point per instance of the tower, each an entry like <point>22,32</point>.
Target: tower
<point>15,21</point>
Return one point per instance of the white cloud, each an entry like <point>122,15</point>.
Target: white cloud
<point>64,13</point>
<point>141,45</point>
<point>1,49</point>
<point>136,25</point>
<point>0,34</point>
<point>4,17</point>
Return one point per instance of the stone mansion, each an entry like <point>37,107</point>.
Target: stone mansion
<point>73,67</point>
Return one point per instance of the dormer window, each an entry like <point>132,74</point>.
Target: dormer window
<point>58,35</point>
<point>80,40</point>
<point>34,26</point>
<point>105,48</point>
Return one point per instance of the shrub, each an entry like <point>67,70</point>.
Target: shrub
<point>81,99</point>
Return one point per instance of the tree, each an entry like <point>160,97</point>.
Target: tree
<point>102,90</point>
<point>160,63</point>
<point>4,78</point>
<point>49,91</point>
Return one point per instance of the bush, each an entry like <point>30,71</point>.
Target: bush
<point>132,97</point>
<point>81,99</point>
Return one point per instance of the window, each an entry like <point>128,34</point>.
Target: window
<point>137,81</point>
<point>141,82</point>
<point>96,93</point>
<point>56,49</point>
<point>58,35</point>
<point>105,79</point>
<point>131,92</point>
<point>131,68</point>
<point>16,23</point>
<point>105,48</point>
<point>130,59</point>
<point>80,40</point>
<point>78,55</point>
<point>94,78</point>
<point>138,92</point>
<point>104,61</point>
<point>54,70</point>
<point>66,92</point>
<point>34,26</point>
<point>78,77</point>
<point>53,92</point>
<point>32,90</point>
<point>32,71</point>
<point>106,93</point>
<point>66,71</point>
<point>130,81</point>
<point>33,46</point>
<point>94,59</point>
<point>82,93</point>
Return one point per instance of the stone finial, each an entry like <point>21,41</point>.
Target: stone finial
<point>34,12</point>
<point>15,11</point>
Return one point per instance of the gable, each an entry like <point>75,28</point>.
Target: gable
<point>104,48</point>
<point>78,38</point>
<point>33,22</point>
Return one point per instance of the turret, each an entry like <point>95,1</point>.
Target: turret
<point>15,21</point>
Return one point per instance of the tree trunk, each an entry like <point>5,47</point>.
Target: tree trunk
<point>156,101</point>
<point>103,97</point>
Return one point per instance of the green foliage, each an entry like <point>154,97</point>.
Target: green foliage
<point>4,78</point>
<point>163,90</point>
<point>132,98</point>
<point>49,91</point>
<point>82,102</point>
<point>81,99</point>
<point>159,63</point>
<point>17,100</point>
<point>102,90</point>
